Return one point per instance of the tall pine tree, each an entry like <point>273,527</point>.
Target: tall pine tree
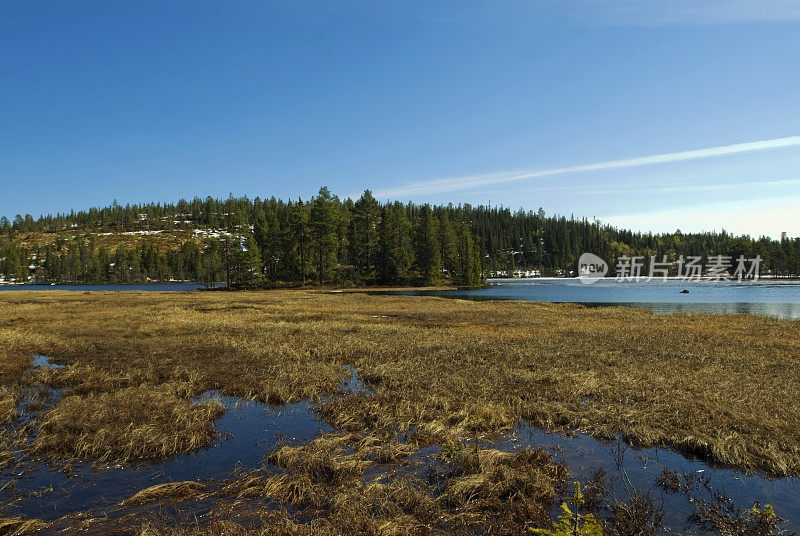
<point>429,260</point>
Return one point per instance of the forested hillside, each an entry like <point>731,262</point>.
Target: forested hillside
<point>327,240</point>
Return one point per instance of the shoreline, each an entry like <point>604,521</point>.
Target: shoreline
<point>488,282</point>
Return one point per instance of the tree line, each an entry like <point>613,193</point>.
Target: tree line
<point>327,240</point>
<point>324,240</point>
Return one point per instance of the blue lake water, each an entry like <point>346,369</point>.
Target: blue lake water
<point>780,299</point>
<point>156,287</point>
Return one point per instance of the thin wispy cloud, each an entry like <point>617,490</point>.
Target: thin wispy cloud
<point>615,189</point>
<point>690,12</point>
<point>685,188</point>
<point>471,182</point>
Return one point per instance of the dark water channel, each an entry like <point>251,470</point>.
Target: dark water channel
<point>630,470</point>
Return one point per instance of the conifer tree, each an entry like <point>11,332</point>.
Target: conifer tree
<point>395,252</point>
<point>468,271</point>
<point>298,237</point>
<point>270,251</point>
<point>324,225</point>
<point>365,240</point>
<point>447,241</point>
<point>429,261</point>
<point>261,233</point>
<point>251,259</point>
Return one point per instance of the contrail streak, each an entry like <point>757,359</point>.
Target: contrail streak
<point>456,184</point>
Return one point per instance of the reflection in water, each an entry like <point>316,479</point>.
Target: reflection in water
<point>44,361</point>
<point>776,310</point>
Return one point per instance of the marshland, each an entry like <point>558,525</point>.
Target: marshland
<point>318,412</point>
<point>358,268</point>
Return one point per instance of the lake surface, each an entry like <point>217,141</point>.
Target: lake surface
<point>780,299</point>
<point>155,287</point>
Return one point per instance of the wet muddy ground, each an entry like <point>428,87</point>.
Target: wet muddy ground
<point>249,430</point>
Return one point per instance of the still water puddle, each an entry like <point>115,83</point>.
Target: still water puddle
<point>246,433</point>
<point>44,362</point>
<point>249,430</point>
<point>630,470</point>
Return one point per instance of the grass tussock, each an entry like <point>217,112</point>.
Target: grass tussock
<point>310,474</point>
<point>134,423</point>
<point>7,448</point>
<point>171,492</point>
<point>335,485</point>
<point>720,386</point>
<point>20,526</point>
<point>13,441</point>
<point>270,523</point>
<point>522,485</point>
<point>9,398</point>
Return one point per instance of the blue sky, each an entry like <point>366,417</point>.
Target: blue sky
<point>565,104</point>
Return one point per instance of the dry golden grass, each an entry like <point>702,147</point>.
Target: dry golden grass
<point>12,438</point>
<point>334,485</point>
<point>14,360</point>
<point>268,524</point>
<point>6,453</point>
<point>313,472</point>
<point>9,398</point>
<point>132,423</point>
<point>19,526</point>
<point>171,491</point>
<point>726,387</point>
<point>11,442</point>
